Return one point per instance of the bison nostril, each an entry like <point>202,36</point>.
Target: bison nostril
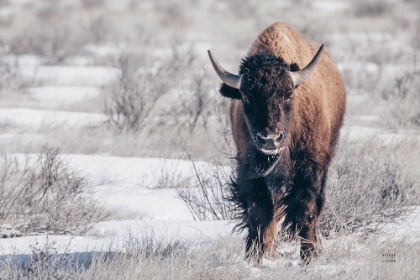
<point>281,136</point>
<point>260,140</point>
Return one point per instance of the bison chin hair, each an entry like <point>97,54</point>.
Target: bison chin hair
<point>262,164</point>
<point>272,152</point>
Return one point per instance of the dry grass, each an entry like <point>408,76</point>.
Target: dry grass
<point>372,8</point>
<point>42,195</point>
<point>404,94</point>
<point>156,258</point>
<point>367,189</point>
<point>208,199</point>
<point>57,35</point>
<point>133,97</point>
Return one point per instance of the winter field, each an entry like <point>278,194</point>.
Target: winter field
<point>116,147</point>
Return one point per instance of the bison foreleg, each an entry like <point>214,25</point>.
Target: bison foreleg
<point>303,210</point>
<point>259,221</point>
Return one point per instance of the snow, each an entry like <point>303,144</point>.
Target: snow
<point>112,235</point>
<point>128,188</point>
<point>331,6</point>
<point>23,137</point>
<point>36,118</point>
<point>362,36</point>
<point>103,50</point>
<point>170,230</point>
<point>23,60</point>
<point>358,66</point>
<point>54,96</point>
<point>145,171</point>
<point>407,227</point>
<point>6,12</point>
<point>132,187</point>
<point>356,133</point>
<point>136,202</point>
<point>70,75</point>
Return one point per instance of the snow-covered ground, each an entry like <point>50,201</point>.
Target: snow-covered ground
<point>127,188</point>
<point>33,119</point>
<point>53,96</point>
<point>131,189</point>
<point>70,75</point>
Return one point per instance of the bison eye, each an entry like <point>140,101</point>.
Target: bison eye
<point>245,100</point>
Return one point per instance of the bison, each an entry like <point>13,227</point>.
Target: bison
<point>287,108</point>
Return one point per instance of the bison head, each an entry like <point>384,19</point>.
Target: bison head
<point>265,85</point>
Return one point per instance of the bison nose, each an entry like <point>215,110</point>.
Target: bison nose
<point>260,139</point>
<point>266,143</point>
<point>280,137</point>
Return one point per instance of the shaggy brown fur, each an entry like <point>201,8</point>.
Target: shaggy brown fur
<point>289,187</point>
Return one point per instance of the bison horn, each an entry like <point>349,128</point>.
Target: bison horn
<point>230,79</point>
<point>299,77</point>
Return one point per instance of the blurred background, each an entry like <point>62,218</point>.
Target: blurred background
<point>132,78</point>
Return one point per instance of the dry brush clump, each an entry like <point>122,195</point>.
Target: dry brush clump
<point>206,199</point>
<point>404,96</point>
<point>130,102</point>
<point>199,105</point>
<point>152,257</point>
<point>372,8</point>
<point>369,184</point>
<point>58,34</point>
<point>41,194</point>
<point>93,3</point>
<point>146,257</point>
<point>11,81</point>
<point>44,262</point>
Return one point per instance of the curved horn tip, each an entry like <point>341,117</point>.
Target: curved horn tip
<point>228,78</point>
<point>299,77</point>
<point>321,48</point>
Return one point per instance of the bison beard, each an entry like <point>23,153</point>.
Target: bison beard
<point>261,164</point>
<point>271,96</point>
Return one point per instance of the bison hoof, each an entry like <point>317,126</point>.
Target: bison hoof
<point>307,253</point>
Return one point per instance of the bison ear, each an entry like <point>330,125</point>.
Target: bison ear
<point>230,92</point>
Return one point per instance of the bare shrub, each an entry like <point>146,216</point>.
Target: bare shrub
<point>6,19</point>
<point>349,258</point>
<point>243,9</point>
<point>316,32</point>
<point>58,37</point>
<point>404,96</point>
<point>43,263</point>
<point>92,3</point>
<point>199,104</point>
<point>48,10</point>
<point>44,195</point>
<point>53,42</point>
<point>172,13</point>
<point>149,257</point>
<point>11,81</point>
<point>131,100</point>
<point>373,8</point>
<point>366,188</point>
<point>207,199</point>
